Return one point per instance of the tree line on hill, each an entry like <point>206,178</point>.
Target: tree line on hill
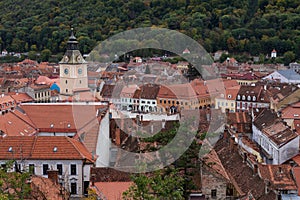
<point>253,26</point>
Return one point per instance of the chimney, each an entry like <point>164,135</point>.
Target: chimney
<point>93,177</point>
<point>142,117</point>
<point>255,169</point>
<point>231,143</point>
<point>118,136</point>
<point>152,128</point>
<point>163,123</point>
<point>53,175</point>
<point>245,157</point>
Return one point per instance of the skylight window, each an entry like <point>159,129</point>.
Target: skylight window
<point>51,125</point>
<point>10,149</point>
<point>55,149</point>
<point>69,125</point>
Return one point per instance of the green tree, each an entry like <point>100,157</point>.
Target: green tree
<point>45,55</point>
<point>13,185</point>
<point>162,184</point>
<point>288,57</point>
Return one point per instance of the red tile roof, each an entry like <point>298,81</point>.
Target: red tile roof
<point>43,148</point>
<point>15,123</point>
<point>212,160</point>
<point>62,117</point>
<point>291,112</point>
<point>43,187</point>
<point>278,175</point>
<point>112,190</point>
<point>21,97</point>
<point>296,171</point>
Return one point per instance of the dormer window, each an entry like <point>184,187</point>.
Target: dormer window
<point>10,149</point>
<point>55,149</point>
<point>254,98</point>
<point>243,97</point>
<point>238,97</point>
<point>51,125</point>
<point>69,125</point>
<point>249,98</point>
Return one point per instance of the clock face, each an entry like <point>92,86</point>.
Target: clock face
<point>78,58</point>
<point>79,71</point>
<point>66,70</point>
<point>66,58</point>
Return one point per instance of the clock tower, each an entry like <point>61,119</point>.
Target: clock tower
<point>73,70</point>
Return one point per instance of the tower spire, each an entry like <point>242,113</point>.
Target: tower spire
<point>72,44</point>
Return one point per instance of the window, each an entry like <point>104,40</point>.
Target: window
<point>60,169</point>
<point>160,101</point>
<point>67,90</point>
<point>79,81</point>
<point>249,98</point>
<point>45,169</point>
<point>214,193</point>
<point>73,188</point>
<point>164,101</point>
<point>238,97</point>
<point>31,169</point>
<point>243,97</point>
<point>254,98</point>
<point>66,81</point>
<point>73,170</point>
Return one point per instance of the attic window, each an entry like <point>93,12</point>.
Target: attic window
<point>296,115</point>
<point>55,149</point>
<point>243,97</point>
<point>229,96</point>
<point>238,97</point>
<point>249,98</point>
<point>254,98</point>
<point>51,125</point>
<point>69,125</point>
<point>10,149</point>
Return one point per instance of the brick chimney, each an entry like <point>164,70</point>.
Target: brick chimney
<point>255,169</point>
<point>231,143</point>
<point>93,178</point>
<point>53,175</point>
<point>118,136</point>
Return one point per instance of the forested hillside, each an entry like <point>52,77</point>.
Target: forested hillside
<point>254,26</point>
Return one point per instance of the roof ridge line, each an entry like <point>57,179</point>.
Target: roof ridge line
<point>30,124</point>
<point>33,145</point>
<point>74,145</point>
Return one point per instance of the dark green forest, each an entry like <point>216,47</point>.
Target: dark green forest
<point>253,26</point>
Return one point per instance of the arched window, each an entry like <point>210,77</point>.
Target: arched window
<point>243,97</point>
<point>249,98</point>
<point>238,97</point>
<point>254,98</point>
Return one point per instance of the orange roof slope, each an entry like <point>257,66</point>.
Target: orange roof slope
<point>58,118</point>
<point>43,148</point>
<point>112,190</point>
<point>15,123</point>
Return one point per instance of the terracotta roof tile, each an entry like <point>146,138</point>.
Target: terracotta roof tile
<point>278,175</point>
<point>61,118</point>
<point>42,148</point>
<point>112,190</point>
